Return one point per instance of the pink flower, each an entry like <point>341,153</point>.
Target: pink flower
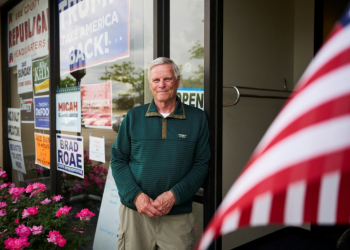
<point>40,170</point>
<point>5,185</point>
<point>85,214</point>
<point>35,188</point>
<point>25,213</point>
<point>63,210</point>
<point>16,221</point>
<point>16,243</point>
<point>81,230</point>
<point>40,186</point>
<point>23,231</point>
<point>3,174</point>
<point>3,204</point>
<point>56,238</point>
<point>77,188</point>
<point>98,180</point>
<point>64,175</point>
<point>37,230</point>
<point>16,191</point>
<point>29,211</point>
<point>46,201</point>
<point>57,198</point>
<point>29,189</point>
<point>2,212</point>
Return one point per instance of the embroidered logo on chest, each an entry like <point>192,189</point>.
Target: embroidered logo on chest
<point>183,136</point>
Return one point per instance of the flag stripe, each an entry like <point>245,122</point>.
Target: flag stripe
<point>295,203</point>
<point>245,216</point>
<point>328,198</point>
<point>277,214</point>
<point>231,222</point>
<point>311,201</point>
<point>343,215</point>
<point>261,209</point>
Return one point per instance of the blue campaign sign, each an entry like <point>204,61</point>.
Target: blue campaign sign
<point>70,154</point>
<point>42,112</point>
<point>92,32</point>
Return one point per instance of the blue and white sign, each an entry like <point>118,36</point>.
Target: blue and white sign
<point>92,32</point>
<point>106,235</point>
<point>70,154</point>
<point>42,112</point>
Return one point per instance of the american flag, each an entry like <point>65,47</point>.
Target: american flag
<point>300,171</point>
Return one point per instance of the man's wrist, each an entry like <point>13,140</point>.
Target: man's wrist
<point>174,196</point>
<point>136,197</point>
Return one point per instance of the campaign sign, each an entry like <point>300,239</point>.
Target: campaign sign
<point>96,105</point>
<point>68,109</point>
<point>27,108</point>
<point>192,97</point>
<point>14,124</point>
<point>70,154</point>
<point>42,150</point>
<point>24,75</point>
<point>92,32</point>
<point>28,31</point>
<point>41,75</point>
<point>42,112</point>
<point>97,149</point>
<point>106,235</point>
<point>16,152</point>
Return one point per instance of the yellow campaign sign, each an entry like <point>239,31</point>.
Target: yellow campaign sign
<point>42,150</point>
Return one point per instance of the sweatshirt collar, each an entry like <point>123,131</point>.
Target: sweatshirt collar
<point>178,113</point>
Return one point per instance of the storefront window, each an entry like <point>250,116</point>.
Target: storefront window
<point>105,47</point>
<point>28,114</point>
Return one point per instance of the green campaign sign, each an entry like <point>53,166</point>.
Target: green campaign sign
<point>41,75</point>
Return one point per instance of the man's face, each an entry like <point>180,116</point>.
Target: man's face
<point>163,83</point>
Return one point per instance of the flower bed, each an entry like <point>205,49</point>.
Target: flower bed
<point>31,220</point>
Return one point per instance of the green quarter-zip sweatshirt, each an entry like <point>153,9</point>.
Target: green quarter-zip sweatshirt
<point>152,154</point>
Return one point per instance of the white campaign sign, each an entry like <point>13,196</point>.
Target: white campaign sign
<point>97,149</point>
<point>106,236</point>
<point>24,75</point>
<point>14,123</point>
<point>68,111</point>
<point>16,152</point>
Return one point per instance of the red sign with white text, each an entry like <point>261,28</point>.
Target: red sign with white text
<point>96,105</point>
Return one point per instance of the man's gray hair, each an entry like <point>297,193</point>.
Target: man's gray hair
<point>163,60</point>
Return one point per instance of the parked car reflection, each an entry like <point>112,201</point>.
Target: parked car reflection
<point>117,121</point>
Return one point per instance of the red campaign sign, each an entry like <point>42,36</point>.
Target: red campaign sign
<point>96,103</point>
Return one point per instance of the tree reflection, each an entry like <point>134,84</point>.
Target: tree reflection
<point>67,82</point>
<point>127,73</point>
<point>197,80</point>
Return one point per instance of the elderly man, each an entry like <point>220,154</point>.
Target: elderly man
<point>159,161</point>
